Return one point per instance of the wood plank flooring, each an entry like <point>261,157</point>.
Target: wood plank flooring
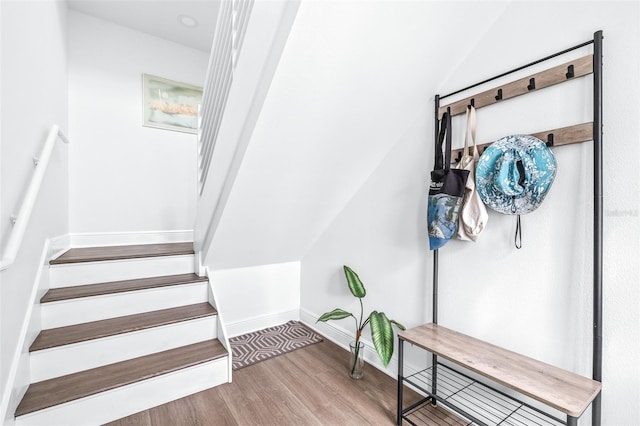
<point>51,392</point>
<point>100,289</point>
<point>95,254</point>
<point>110,327</point>
<point>309,386</point>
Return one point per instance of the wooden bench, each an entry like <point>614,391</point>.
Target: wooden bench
<point>562,390</point>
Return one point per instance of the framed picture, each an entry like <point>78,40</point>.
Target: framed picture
<point>170,105</point>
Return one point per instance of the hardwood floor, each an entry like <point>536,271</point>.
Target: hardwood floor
<point>309,386</point>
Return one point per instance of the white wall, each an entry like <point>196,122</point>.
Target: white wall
<point>536,300</point>
<point>381,235</point>
<point>266,35</point>
<point>348,71</point>
<point>34,96</point>
<point>258,297</point>
<point>123,176</point>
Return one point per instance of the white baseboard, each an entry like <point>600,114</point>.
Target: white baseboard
<point>99,239</point>
<point>342,337</point>
<point>258,323</point>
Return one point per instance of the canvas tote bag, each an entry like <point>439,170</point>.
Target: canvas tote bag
<point>445,191</point>
<point>473,214</point>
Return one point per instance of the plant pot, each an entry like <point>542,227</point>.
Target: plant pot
<point>356,363</point>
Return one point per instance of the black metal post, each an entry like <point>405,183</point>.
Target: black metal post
<point>434,314</point>
<point>596,416</point>
<point>400,379</point>
<point>434,301</point>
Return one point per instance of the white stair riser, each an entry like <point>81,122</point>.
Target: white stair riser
<point>72,274</point>
<point>87,309</point>
<point>121,402</point>
<point>67,359</point>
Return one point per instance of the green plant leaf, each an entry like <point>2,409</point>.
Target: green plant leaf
<point>397,324</point>
<point>382,335</point>
<point>336,314</point>
<point>355,285</point>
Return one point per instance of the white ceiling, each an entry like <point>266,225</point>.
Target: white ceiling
<point>158,17</point>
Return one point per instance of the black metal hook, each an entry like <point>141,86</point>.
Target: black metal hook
<point>550,139</point>
<point>459,157</point>
<point>499,95</point>
<point>472,103</point>
<point>570,73</point>
<point>532,84</point>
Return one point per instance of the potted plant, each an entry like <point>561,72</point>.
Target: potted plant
<point>381,327</point>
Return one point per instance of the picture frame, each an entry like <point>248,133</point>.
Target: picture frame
<point>169,104</point>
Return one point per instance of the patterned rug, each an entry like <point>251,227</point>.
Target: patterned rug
<point>270,342</point>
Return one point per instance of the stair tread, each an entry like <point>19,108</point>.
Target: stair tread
<point>96,254</point>
<point>63,389</point>
<point>74,292</point>
<point>60,336</point>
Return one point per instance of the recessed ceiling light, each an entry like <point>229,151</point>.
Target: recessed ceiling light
<point>187,21</point>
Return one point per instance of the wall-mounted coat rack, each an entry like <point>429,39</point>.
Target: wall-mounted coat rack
<point>580,67</point>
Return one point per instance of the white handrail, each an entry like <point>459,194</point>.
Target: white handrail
<point>22,218</point>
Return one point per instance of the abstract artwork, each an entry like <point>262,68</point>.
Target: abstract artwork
<point>170,105</point>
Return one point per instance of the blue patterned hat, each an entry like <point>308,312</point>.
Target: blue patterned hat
<point>515,173</point>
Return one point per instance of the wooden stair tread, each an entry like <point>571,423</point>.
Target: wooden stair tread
<point>60,336</point>
<point>74,292</point>
<point>553,386</point>
<point>63,389</point>
<point>97,254</point>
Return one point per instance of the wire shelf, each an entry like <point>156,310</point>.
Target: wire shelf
<point>476,402</point>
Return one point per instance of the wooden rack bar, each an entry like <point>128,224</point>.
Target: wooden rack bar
<point>559,74</point>
<point>556,137</point>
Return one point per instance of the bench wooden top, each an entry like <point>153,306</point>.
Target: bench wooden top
<point>563,390</point>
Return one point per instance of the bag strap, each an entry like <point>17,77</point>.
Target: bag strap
<point>445,134</point>
<point>438,164</point>
<point>447,152</point>
<point>470,137</point>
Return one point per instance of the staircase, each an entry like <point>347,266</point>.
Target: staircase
<point>124,329</point>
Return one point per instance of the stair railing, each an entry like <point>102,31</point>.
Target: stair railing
<point>21,219</point>
<point>233,19</point>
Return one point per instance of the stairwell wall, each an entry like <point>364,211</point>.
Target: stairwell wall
<point>126,177</point>
<point>258,297</point>
<point>34,97</point>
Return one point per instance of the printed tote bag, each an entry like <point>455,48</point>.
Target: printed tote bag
<point>445,192</point>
